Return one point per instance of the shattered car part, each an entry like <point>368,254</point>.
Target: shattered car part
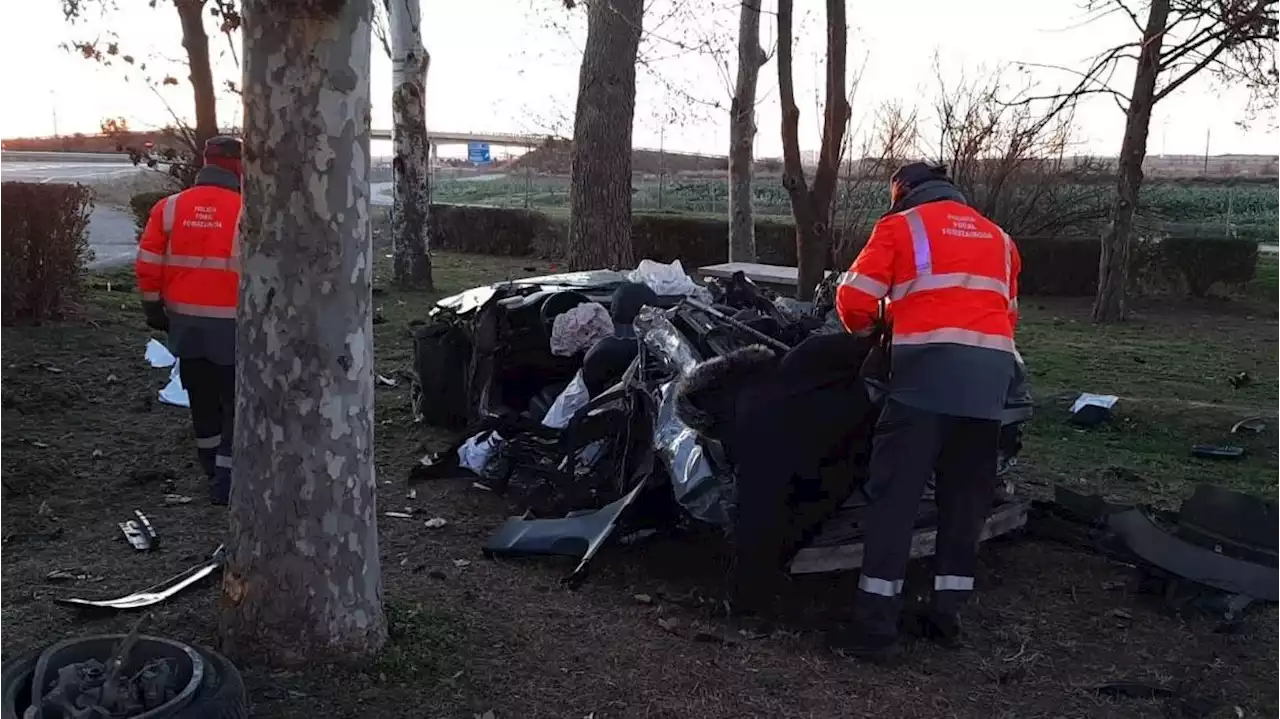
<point>141,535</point>
<point>1255,425</point>
<point>70,678</point>
<point>1232,523</point>
<point>1217,451</point>
<point>579,536</point>
<point>1161,549</point>
<point>154,594</point>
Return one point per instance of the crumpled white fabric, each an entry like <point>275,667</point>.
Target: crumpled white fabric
<point>571,399</point>
<point>157,355</point>
<point>668,280</point>
<point>475,453</point>
<point>579,328</point>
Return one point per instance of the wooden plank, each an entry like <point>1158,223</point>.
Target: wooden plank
<point>760,274</point>
<point>812,560</point>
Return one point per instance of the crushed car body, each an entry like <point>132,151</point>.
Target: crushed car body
<point>716,403</point>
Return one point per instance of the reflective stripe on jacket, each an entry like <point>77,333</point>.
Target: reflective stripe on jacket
<point>186,260</point>
<point>951,276</point>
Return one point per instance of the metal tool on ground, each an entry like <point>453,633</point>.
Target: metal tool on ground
<point>154,594</point>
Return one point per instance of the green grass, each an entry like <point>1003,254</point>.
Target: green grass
<point>1171,368</point>
<point>424,644</point>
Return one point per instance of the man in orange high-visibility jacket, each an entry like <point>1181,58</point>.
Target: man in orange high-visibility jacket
<point>189,280</point>
<point>951,276</point>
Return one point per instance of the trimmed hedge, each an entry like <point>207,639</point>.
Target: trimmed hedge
<point>1050,266</point>
<point>45,248</point>
<point>141,205</point>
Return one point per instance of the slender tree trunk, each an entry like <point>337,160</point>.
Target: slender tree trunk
<point>1113,261</point>
<point>600,173</point>
<point>742,134</point>
<point>411,205</point>
<point>812,206</point>
<point>196,42</point>
<point>303,581</point>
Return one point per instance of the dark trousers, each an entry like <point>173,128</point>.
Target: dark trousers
<point>212,391</point>
<point>910,445</point>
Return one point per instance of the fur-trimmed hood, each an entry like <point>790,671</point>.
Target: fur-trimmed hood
<point>707,396</point>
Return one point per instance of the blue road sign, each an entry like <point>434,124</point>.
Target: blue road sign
<point>478,153</point>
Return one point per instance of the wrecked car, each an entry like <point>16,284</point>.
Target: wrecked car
<point>719,404</point>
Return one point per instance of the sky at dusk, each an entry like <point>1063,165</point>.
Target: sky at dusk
<point>512,66</point>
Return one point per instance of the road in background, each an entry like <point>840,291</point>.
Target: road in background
<point>113,237</point>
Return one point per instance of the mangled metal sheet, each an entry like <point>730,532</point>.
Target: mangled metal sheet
<point>697,486</point>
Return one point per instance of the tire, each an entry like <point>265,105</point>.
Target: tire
<point>221,695</point>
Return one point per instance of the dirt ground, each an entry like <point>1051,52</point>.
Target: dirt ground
<point>86,443</point>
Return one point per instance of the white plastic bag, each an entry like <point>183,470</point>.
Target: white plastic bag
<point>571,399</point>
<point>580,327</point>
<point>668,280</point>
<point>475,453</point>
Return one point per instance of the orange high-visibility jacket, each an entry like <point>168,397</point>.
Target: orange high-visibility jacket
<point>185,255</point>
<point>950,274</point>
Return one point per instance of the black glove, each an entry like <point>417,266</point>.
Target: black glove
<point>157,318</point>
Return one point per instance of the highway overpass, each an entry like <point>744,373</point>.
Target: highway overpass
<point>462,138</point>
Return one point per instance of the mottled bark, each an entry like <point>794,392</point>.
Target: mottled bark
<point>600,184</point>
<point>303,580</point>
<point>1113,263</point>
<point>812,205</point>
<point>742,134</point>
<point>411,205</point>
<point>196,42</point>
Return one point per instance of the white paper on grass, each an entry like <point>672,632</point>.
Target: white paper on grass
<point>158,355</point>
<point>1105,401</point>
<point>174,393</point>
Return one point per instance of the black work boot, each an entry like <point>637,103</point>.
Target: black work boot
<point>220,489</point>
<point>858,644</point>
<point>942,628</point>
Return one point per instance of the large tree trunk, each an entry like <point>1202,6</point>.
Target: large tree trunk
<point>411,206</point>
<point>742,134</point>
<point>196,42</point>
<point>1113,261</point>
<point>812,206</point>
<point>303,581</point>
<point>600,174</point>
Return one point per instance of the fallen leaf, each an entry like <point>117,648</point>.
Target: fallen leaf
<point>96,453</point>
<point>53,369</point>
<point>177,499</point>
<point>1121,613</point>
<point>386,381</point>
<point>460,563</point>
<point>398,515</point>
<point>644,599</point>
<point>670,624</point>
<point>41,445</point>
<point>112,378</point>
<point>436,522</point>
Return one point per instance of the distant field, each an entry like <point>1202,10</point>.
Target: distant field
<point>1246,210</point>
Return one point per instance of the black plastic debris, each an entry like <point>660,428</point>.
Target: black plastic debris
<point>1217,451</point>
<point>1159,548</point>
<point>141,535</point>
<point>580,535</point>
